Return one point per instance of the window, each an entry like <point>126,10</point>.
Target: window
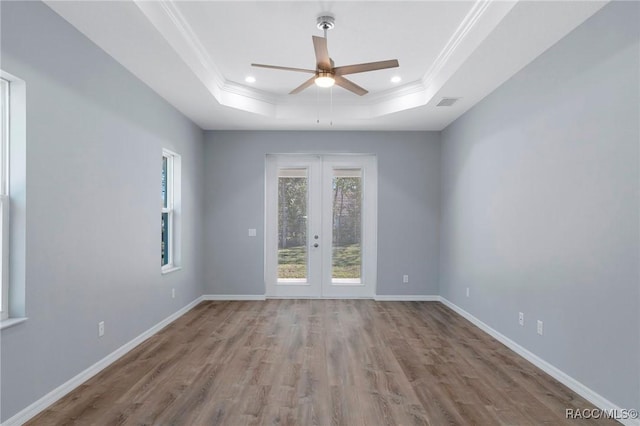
<point>13,175</point>
<point>4,198</point>
<point>169,246</point>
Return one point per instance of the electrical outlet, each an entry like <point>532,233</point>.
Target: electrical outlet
<point>467,291</point>
<point>405,278</point>
<point>101,329</point>
<point>540,329</point>
<point>251,232</point>
<point>173,293</point>
<point>521,318</point>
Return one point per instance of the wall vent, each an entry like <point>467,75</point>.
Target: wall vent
<point>447,101</point>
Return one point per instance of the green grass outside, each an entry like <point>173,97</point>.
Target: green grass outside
<point>346,262</point>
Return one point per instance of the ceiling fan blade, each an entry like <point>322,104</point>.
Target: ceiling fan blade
<point>350,85</point>
<point>370,66</point>
<point>275,67</point>
<point>322,53</point>
<point>303,86</point>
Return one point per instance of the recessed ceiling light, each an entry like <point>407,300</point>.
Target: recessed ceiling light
<point>396,79</point>
<point>250,79</point>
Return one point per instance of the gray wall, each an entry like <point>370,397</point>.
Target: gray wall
<point>540,206</point>
<point>94,140</point>
<point>408,204</point>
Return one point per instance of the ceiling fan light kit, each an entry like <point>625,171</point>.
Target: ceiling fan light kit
<point>325,73</point>
<point>324,79</point>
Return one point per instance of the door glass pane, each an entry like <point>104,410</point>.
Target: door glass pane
<point>346,262</point>
<point>292,224</point>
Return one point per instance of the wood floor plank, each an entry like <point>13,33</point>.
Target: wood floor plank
<point>319,362</point>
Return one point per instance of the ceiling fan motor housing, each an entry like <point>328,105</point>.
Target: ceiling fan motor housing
<point>325,22</point>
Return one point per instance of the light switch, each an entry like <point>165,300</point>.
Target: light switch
<point>252,232</point>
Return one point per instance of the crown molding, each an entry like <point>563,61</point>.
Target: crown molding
<point>469,21</point>
<point>167,19</point>
<point>186,31</point>
<point>481,19</point>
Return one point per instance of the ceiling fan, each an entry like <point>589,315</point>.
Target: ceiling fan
<point>326,74</point>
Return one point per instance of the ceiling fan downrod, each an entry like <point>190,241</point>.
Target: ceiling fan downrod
<point>325,23</point>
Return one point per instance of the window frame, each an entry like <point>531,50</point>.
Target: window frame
<point>172,189</point>
<point>5,109</point>
<point>14,203</point>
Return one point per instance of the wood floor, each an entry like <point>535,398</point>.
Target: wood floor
<point>319,362</point>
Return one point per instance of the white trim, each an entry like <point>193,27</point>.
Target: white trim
<point>346,281</point>
<point>292,281</point>
<point>6,136</point>
<point>318,284</point>
<point>406,298</point>
<point>367,165</point>
<point>469,21</point>
<point>15,187</point>
<point>167,270</point>
<point>582,390</point>
<point>311,165</point>
<point>168,209</point>
<point>233,297</point>
<point>43,403</point>
<point>10,322</point>
<point>5,231</point>
<point>482,18</point>
<point>166,17</point>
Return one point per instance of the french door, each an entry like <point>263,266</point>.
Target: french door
<point>321,226</point>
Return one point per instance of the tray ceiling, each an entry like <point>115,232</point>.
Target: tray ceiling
<point>197,55</point>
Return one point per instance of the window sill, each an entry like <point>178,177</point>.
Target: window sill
<point>169,270</point>
<point>10,322</point>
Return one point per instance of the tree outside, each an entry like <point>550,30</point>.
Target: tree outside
<point>292,227</point>
<point>347,209</point>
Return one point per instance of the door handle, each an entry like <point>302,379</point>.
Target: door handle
<point>316,245</point>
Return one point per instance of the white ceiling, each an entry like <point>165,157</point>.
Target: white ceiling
<point>196,55</point>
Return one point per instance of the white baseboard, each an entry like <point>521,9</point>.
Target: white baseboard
<point>41,404</point>
<point>234,297</point>
<point>405,298</point>
<point>596,399</point>
<point>395,298</point>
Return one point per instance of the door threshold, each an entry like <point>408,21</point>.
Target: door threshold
<point>323,297</point>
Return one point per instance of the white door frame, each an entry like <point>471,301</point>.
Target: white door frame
<point>319,283</point>
<point>298,288</point>
<point>335,288</point>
